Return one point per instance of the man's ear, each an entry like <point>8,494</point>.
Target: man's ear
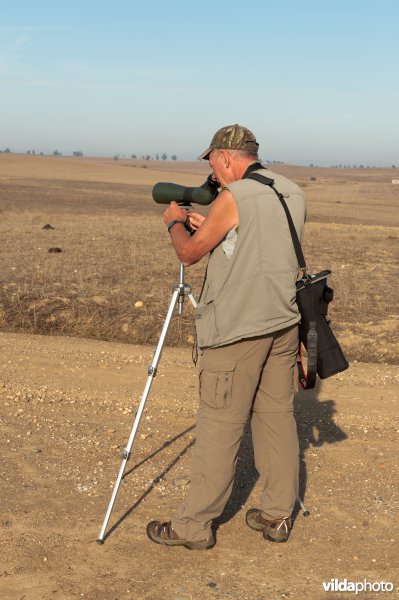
<point>225,157</point>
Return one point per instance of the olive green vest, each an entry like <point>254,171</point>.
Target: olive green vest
<point>253,292</point>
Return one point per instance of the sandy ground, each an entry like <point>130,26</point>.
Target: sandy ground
<point>67,408</point>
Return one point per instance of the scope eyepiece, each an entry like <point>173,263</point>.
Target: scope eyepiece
<point>211,184</point>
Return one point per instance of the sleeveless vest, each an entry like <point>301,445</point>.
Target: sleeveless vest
<point>253,292</point>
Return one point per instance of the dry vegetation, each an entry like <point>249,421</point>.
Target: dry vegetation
<point>116,253</point>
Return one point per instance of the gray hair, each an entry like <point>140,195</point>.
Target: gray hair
<point>243,154</point>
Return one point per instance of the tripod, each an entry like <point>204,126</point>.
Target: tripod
<point>180,291</point>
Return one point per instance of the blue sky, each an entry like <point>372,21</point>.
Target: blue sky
<point>316,81</point>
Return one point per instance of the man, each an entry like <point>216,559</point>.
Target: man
<point>247,333</point>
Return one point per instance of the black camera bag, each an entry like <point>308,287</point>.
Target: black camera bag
<point>313,297</point>
<point>325,356</point>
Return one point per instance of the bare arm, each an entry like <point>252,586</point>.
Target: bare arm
<point>222,217</point>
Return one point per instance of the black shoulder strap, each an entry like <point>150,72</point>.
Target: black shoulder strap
<point>295,240</point>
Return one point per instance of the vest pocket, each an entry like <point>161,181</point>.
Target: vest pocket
<point>216,383</point>
<point>205,323</point>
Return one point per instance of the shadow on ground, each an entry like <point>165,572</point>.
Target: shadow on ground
<point>316,426</point>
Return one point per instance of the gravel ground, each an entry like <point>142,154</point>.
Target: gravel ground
<point>67,408</point>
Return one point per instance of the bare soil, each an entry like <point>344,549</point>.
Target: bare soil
<point>67,408</point>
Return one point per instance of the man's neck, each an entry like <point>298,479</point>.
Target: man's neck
<point>250,167</point>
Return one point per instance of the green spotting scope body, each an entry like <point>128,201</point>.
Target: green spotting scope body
<point>164,193</point>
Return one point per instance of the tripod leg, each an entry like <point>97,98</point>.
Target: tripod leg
<point>193,300</point>
<point>152,369</point>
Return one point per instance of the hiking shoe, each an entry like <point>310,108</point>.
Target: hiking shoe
<point>276,530</point>
<point>163,533</point>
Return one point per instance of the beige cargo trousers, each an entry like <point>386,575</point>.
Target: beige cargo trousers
<point>255,377</point>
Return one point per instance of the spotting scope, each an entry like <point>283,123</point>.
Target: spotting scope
<point>164,193</point>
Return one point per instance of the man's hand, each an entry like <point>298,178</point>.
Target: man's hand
<point>210,231</point>
<point>174,212</point>
<point>195,220</point>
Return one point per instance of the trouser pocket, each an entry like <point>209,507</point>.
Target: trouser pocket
<point>216,382</point>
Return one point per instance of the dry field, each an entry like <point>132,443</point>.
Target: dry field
<point>67,402</point>
<point>115,251</point>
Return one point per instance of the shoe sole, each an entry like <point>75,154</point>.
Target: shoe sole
<point>271,539</point>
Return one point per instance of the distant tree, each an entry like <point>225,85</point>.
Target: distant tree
<point>28,152</point>
<point>157,157</point>
<point>33,152</point>
<point>164,156</point>
<point>7,150</point>
<point>78,153</point>
<point>57,153</point>
<point>147,157</point>
<point>174,157</point>
<point>393,166</point>
<point>116,157</point>
<point>134,156</point>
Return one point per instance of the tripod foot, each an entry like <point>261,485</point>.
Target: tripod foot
<point>100,542</point>
<point>305,511</point>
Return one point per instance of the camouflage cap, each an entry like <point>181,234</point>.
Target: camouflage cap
<point>232,137</point>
